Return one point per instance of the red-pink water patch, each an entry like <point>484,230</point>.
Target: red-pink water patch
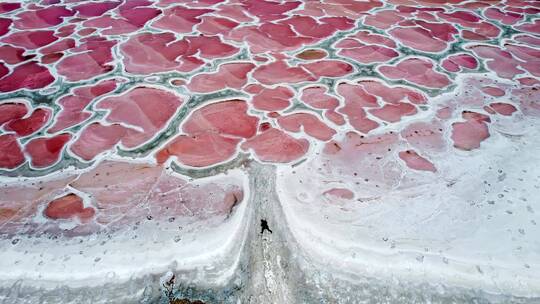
<point>73,105</point>
<point>534,41</point>
<point>269,10</point>
<point>149,53</point>
<point>11,155</point>
<point>233,11</point>
<point>210,119</point>
<point>504,17</point>
<point>4,26</point>
<point>308,123</point>
<point>86,32</point>
<point>368,54</point>
<point>41,18</point>
<point>13,55</point>
<point>211,139</point>
<point>209,47</point>
<point>3,70</point>
<point>272,99</point>
<point>475,116</point>
<point>280,72</point>
<point>30,40</point>
<point>94,9</point>
<point>318,28</point>
<point>97,138</point>
<point>528,81</point>
<point>455,63</point>
<point>340,193</point>
<point>269,37</point>
<point>45,151</point>
<point>92,58</point>
<point>318,98</point>
<point>274,145</point>
<point>179,19</point>
<point>499,61</point>
<point>67,207</point>
<point>51,58</point>
<point>493,91</point>
<point>530,56</point>
<point>392,94</point>
<point>30,75</point>
<point>133,15</point>
<point>356,94</point>
<point>20,202</point>
<point>418,38</point>
<point>372,38</point>
<point>356,100</point>
<point>475,27</point>
<point>416,70</point>
<point>415,161</point>
<point>394,112</point>
<point>229,75</point>
<point>58,46</point>
<point>502,108</point>
<point>532,27</point>
<point>357,117</point>
<point>12,111</point>
<point>28,125</point>
<point>469,134</point>
<point>65,31</point>
<point>201,150</point>
<point>328,68</point>
<point>211,25</point>
<point>7,7</point>
<point>143,111</point>
<point>350,9</point>
<point>383,19</point>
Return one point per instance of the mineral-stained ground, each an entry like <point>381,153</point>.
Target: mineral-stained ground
<point>266,151</point>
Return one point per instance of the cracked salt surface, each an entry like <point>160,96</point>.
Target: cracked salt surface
<point>269,151</point>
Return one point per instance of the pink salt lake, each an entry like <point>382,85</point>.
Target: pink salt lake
<point>269,151</point>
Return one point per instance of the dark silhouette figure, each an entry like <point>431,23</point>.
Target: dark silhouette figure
<point>264,226</point>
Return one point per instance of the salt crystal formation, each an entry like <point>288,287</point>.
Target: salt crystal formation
<point>265,151</point>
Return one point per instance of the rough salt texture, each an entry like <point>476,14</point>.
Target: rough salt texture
<point>114,113</point>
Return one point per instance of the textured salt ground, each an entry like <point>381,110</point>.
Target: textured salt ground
<point>362,196</point>
<point>91,131</point>
<point>264,270</point>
